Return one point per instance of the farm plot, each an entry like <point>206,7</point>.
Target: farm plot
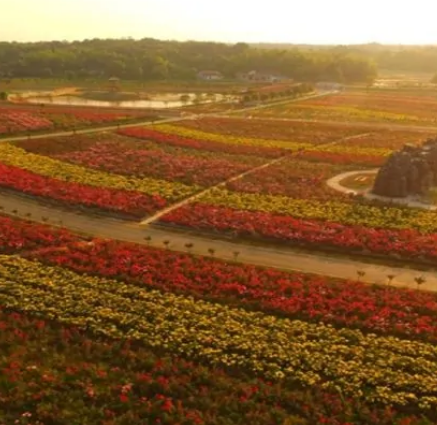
<point>301,132</point>
<point>371,149</point>
<point>290,203</point>
<point>137,327</point>
<point>114,173</point>
<point>24,120</point>
<point>365,106</point>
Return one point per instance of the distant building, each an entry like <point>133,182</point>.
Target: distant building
<point>114,84</point>
<point>209,75</point>
<point>260,77</point>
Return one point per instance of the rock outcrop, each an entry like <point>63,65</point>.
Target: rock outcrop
<point>411,171</point>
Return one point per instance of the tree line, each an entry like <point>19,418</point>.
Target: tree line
<point>150,59</point>
<point>416,59</point>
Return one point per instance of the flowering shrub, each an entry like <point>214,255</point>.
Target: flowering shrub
<point>15,121</point>
<point>358,158</point>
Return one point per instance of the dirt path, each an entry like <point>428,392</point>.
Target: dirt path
<point>335,183</point>
<point>281,257</point>
<point>186,201</point>
<point>159,214</point>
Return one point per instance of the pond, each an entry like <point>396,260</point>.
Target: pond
<point>159,103</point>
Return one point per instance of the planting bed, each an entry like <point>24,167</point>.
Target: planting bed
<point>131,333</point>
<point>106,332</point>
<point>364,106</point>
<point>28,119</point>
<point>272,129</point>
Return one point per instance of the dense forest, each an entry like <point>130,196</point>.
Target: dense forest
<point>150,59</point>
<point>418,59</point>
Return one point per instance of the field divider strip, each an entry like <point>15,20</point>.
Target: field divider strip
<point>149,220</point>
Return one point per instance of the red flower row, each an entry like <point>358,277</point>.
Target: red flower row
<point>311,233</point>
<point>17,235</point>
<point>293,178</point>
<point>113,157</point>
<point>30,119</point>
<point>15,121</point>
<point>156,136</point>
<point>343,158</point>
<point>83,379</point>
<point>296,295</point>
<point>133,204</point>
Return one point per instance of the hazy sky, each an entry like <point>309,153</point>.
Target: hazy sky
<point>293,21</point>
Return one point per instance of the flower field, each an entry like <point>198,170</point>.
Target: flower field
<point>21,236</point>
<point>20,120</point>
<point>185,141</point>
<point>288,346</point>
<point>364,106</point>
<point>235,140</point>
<point>294,178</point>
<point>108,381</point>
<point>371,149</point>
<point>72,184</point>
<point>272,129</point>
<point>289,202</point>
<point>113,156</point>
<point>130,204</point>
<point>98,331</point>
<point>130,333</point>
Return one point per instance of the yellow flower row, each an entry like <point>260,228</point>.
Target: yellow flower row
<point>379,369</point>
<point>222,138</point>
<point>352,150</point>
<point>49,167</point>
<point>346,213</point>
<point>308,110</point>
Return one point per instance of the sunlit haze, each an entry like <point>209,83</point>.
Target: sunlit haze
<point>310,21</point>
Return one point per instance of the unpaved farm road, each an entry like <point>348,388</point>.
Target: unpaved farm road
<point>280,257</point>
